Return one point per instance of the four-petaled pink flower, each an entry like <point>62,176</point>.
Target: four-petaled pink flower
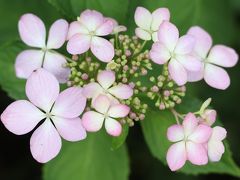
<point>84,35</point>
<point>212,59</point>
<point>59,111</point>
<point>93,121</point>
<point>175,50</point>
<point>105,86</point>
<point>189,138</point>
<point>33,33</point>
<point>215,146</point>
<point>148,23</point>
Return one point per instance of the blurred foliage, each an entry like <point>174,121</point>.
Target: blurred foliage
<point>219,17</point>
<point>89,159</point>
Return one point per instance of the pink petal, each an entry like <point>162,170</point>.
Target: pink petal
<point>70,129</point>
<point>215,145</point>
<point>118,111</point>
<point>57,34</point>
<point>91,90</point>
<point>197,75</point>
<point>216,77</point>
<point>102,49</point>
<point>215,150</point>
<point>185,45</point>
<point>159,53</point>
<point>175,133</point>
<point>76,28</point>
<point>177,72</point>
<point>196,153</point>
<point>106,78</point>
<point>168,35</point>
<point>176,156</point>
<point>121,91</point>
<point>42,89</point>
<point>113,127</point>
<point>201,134</point>
<point>20,117</point>
<point>28,61</point>
<point>190,123</point>
<point>91,19</point>
<point>105,28</point>
<point>92,121</point>
<point>78,44</point>
<point>70,103</point>
<point>142,34</point>
<point>55,63</point>
<point>190,62</point>
<point>218,133</point>
<point>102,104</point>
<point>32,30</point>
<point>223,56</point>
<point>158,16</point>
<point>143,18</point>
<point>203,41</point>
<point>45,142</point>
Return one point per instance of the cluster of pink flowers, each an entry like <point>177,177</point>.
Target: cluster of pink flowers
<point>195,141</point>
<point>67,114</point>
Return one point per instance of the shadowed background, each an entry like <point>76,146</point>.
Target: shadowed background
<point>16,162</point>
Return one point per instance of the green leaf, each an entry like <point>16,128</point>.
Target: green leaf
<point>89,159</point>
<point>186,13</point>
<point>113,8</point>
<point>117,142</point>
<point>155,129</point>
<point>14,86</point>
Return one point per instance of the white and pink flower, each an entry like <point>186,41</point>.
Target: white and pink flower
<point>148,23</point>
<point>104,85</point>
<point>33,33</point>
<point>177,51</point>
<point>105,113</point>
<point>57,112</point>
<point>190,139</point>
<point>212,60</point>
<point>87,32</point>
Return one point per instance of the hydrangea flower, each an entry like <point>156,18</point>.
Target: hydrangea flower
<point>148,23</point>
<point>208,117</point>
<point>86,33</point>
<point>59,113</point>
<point>189,139</point>
<point>215,145</point>
<point>105,112</point>
<point>33,33</point>
<point>177,51</point>
<point>105,86</point>
<point>212,60</point>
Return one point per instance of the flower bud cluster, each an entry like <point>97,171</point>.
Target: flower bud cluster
<point>83,71</point>
<point>164,91</point>
<point>130,61</point>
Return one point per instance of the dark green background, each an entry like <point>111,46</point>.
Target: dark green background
<point>220,17</point>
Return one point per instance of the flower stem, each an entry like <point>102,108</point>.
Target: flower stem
<point>177,115</point>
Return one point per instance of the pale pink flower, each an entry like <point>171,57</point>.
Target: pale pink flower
<point>212,60</point>
<point>189,141</point>
<point>148,23</point>
<point>105,113</point>
<point>33,33</point>
<point>215,145</point>
<point>59,113</point>
<point>86,33</point>
<point>104,85</point>
<point>177,51</point>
